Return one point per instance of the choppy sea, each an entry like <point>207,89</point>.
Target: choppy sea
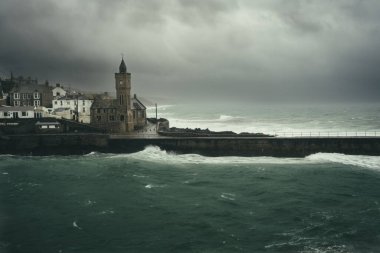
<point>153,201</point>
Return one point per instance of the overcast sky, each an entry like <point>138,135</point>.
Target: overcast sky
<point>209,49</point>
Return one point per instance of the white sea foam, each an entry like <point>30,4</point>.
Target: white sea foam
<point>228,196</point>
<point>155,154</point>
<point>106,212</point>
<point>75,225</point>
<point>150,186</point>
<point>93,153</point>
<point>89,202</point>
<point>371,162</point>
<point>136,175</point>
<point>225,117</point>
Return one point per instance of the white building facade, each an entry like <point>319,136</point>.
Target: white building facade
<point>58,91</point>
<point>74,107</point>
<point>21,112</point>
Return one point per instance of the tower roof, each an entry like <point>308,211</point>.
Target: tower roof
<point>122,67</point>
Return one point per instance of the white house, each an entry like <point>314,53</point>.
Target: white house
<point>74,107</point>
<point>58,91</point>
<point>20,112</point>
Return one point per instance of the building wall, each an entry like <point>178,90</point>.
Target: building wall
<point>107,118</point>
<point>139,118</point>
<point>29,114</point>
<point>83,107</point>
<point>123,98</point>
<point>59,92</point>
<point>25,99</point>
<point>41,96</point>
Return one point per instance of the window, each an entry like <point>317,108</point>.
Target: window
<point>61,102</point>
<point>58,94</point>
<point>99,118</point>
<point>16,95</point>
<point>112,118</point>
<point>24,96</point>
<point>29,96</point>
<point>6,114</point>
<point>36,102</point>
<point>16,103</point>
<point>98,110</point>
<point>83,102</point>
<point>52,126</point>
<point>24,114</point>
<point>84,109</point>
<point>68,102</point>
<point>105,110</point>
<point>121,117</point>
<point>36,95</point>
<point>55,102</point>
<point>134,114</point>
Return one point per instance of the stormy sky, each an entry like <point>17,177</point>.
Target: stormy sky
<point>227,50</point>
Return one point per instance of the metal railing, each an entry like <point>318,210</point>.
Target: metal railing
<point>327,134</point>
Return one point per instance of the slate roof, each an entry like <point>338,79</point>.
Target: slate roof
<point>107,102</point>
<point>136,104</point>
<point>74,97</point>
<point>104,103</point>
<point>29,88</point>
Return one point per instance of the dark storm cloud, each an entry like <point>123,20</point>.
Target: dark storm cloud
<point>215,49</point>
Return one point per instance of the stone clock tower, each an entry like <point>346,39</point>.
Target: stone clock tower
<point>123,98</point>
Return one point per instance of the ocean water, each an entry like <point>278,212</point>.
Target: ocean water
<point>154,201</point>
<point>275,119</point>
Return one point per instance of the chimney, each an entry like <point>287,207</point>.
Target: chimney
<point>134,96</point>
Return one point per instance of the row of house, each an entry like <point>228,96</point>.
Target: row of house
<point>26,98</point>
<point>25,94</point>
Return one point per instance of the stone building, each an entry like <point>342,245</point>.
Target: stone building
<point>31,94</point>
<point>123,114</point>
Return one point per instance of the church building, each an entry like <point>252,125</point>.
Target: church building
<point>123,114</point>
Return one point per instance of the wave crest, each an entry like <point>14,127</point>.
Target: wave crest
<point>371,162</point>
<point>155,154</point>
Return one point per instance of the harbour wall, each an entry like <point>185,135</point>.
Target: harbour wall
<point>53,144</point>
<point>256,146</point>
<point>68,144</point>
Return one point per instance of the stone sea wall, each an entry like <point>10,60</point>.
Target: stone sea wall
<point>53,144</point>
<point>67,144</point>
<point>279,147</point>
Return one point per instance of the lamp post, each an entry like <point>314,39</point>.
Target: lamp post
<point>156,118</point>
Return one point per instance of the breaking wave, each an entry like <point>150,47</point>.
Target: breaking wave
<point>371,162</point>
<point>155,154</point>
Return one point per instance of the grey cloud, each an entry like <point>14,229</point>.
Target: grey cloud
<point>304,49</point>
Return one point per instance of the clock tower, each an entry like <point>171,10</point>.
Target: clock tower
<point>123,97</point>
